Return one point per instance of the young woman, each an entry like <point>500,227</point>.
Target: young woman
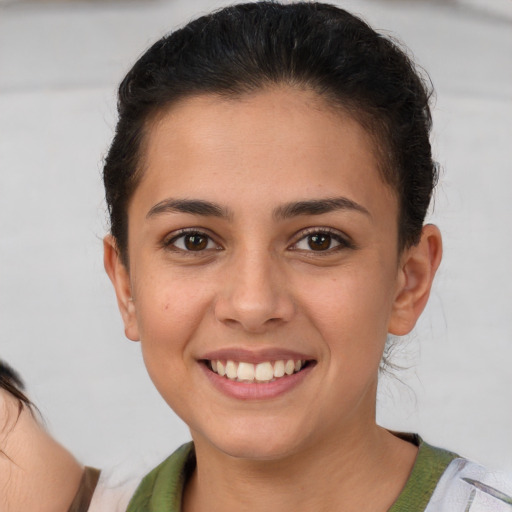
<point>267,186</point>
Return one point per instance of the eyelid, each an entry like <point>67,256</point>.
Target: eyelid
<point>344,240</point>
<point>170,239</point>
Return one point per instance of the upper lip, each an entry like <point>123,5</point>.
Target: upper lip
<point>254,356</point>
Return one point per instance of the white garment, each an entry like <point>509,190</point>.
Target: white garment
<point>468,487</point>
<point>112,494</point>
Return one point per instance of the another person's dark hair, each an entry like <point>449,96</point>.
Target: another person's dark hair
<point>247,47</point>
<point>11,382</point>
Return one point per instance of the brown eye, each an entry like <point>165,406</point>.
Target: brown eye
<point>319,241</point>
<point>195,242</point>
<point>192,242</point>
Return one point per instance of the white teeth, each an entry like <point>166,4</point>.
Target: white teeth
<point>278,369</point>
<point>231,370</point>
<point>245,371</point>
<point>264,371</point>
<point>261,372</point>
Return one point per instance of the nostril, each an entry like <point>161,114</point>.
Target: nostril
<point>254,326</point>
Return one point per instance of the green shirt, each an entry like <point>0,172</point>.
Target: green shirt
<point>161,490</point>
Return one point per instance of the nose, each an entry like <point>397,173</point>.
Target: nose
<point>254,295</point>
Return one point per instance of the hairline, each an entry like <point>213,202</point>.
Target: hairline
<point>351,107</point>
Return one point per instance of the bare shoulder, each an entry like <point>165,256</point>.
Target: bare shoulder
<point>36,472</point>
<point>10,411</point>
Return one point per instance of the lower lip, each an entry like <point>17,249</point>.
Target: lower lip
<point>257,390</point>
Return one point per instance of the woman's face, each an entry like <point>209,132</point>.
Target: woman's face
<point>262,233</point>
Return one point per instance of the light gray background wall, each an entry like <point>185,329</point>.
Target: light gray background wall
<point>59,326</point>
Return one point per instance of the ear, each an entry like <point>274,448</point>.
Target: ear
<point>418,266</point>
<point>120,277</point>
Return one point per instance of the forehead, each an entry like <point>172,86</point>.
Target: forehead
<point>284,137</point>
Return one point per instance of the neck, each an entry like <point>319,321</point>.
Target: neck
<point>340,473</point>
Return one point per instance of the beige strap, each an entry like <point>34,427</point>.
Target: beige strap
<point>85,491</point>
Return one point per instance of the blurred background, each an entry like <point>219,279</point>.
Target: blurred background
<point>60,63</point>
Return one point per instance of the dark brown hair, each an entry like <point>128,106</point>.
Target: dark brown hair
<point>310,45</point>
<point>11,382</point>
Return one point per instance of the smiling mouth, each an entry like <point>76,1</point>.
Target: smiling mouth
<point>267,371</point>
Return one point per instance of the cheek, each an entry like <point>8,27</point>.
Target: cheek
<point>169,311</point>
<point>352,311</point>
<point>168,318</point>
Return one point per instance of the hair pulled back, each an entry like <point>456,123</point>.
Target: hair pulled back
<point>247,47</point>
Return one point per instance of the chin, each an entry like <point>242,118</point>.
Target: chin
<point>256,442</point>
<point>256,451</point>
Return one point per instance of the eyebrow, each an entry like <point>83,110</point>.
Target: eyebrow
<point>318,207</point>
<point>286,211</point>
<point>192,206</point>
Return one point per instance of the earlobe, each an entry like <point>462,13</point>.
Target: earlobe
<point>120,277</point>
<point>417,271</point>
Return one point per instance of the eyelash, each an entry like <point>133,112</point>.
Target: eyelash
<point>170,243</point>
<point>342,241</point>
